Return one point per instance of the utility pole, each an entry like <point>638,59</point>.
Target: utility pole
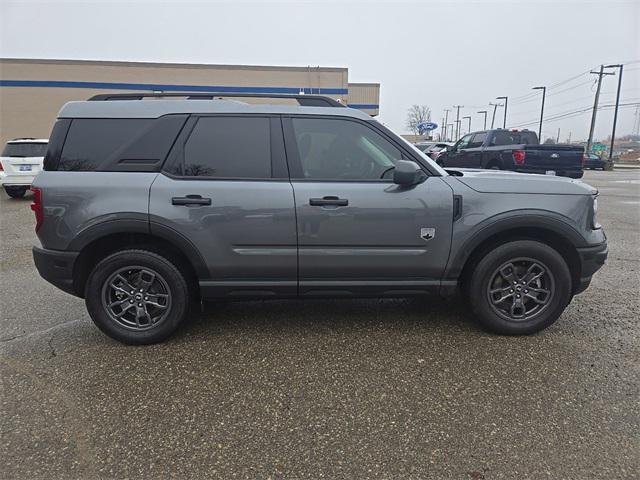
<point>458,107</point>
<point>558,137</point>
<point>544,93</point>
<point>493,117</point>
<point>446,119</point>
<point>506,101</point>
<point>443,130</point>
<point>600,74</point>
<point>485,118</point>
<point>450,131</point>
<point>615,112</point>
<point>569,140</point>
<point>468,118</point>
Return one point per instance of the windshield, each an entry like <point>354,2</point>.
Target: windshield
<point>25,149</point>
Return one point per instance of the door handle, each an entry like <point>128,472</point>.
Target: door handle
<point>190,200</point>
<point>328,201</point>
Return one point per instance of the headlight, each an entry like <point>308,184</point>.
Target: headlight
<point>594,219</point>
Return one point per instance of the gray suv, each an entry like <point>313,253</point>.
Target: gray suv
<point>146,205</point>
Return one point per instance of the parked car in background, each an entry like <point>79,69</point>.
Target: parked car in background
<point>593,161</point>
<point>144,206</point>
<point>20,162</point>
<point>516,150</point>
<point>433,149</point>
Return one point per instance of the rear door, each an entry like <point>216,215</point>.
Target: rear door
<point>358,232</point>
<point>225,188</point>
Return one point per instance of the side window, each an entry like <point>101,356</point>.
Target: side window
<point>478,140</point>
<point>92,141</point>
<point>336,149</point>
<point>502,137</point>
<point>229,147</point>
<point>463,142</point>
<point>528,138</point>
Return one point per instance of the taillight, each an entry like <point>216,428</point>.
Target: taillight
<point>584,158</point>
<point>1,167</point>
<point>36,206</point>
<point>519,156</point>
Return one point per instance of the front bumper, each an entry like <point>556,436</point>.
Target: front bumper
<point>56,267</point>
<point>591,260</point>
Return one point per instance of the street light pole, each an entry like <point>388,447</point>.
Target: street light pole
<point>468,118</point>
<point>506,101</point>
<point>493,117</point>
<point>485,118</point>
<point>615,113</point>
<point>544,93</point>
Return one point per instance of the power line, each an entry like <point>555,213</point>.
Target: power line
<point>574,113</point>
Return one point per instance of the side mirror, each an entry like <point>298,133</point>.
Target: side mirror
<point>408,173</point>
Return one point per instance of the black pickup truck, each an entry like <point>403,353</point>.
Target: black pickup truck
<point>516,150</point>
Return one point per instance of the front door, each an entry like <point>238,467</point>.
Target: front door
<point>457,156</point>
<point>225,189</point>
<point>358,232</point>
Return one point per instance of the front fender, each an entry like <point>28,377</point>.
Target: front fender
<point>546,221</point>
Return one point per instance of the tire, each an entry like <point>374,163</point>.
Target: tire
<point>16,192</point>
<point>494,165</point>
<point>160,291</point>
<point>489,284</point>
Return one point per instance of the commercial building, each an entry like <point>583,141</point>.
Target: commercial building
<point>32,91</point>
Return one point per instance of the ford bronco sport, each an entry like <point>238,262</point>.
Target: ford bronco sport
<point>145,205</point>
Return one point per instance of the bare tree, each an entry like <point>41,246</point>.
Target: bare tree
<point>417,114</point>
<point>550,140</point>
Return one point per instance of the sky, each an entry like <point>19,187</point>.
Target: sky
<point>434,53</point>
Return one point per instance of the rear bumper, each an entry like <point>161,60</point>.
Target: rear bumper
<point>591,260</point>
<point>56,267</point>
<point>16,180</point>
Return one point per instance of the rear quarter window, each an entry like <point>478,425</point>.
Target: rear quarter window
<point>91,141</point>
<point>118,144</point>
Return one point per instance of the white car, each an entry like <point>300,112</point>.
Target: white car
<point>20,162</point>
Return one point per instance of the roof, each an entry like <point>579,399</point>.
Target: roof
<point>158,108</point>
<point>29,140</point>
<point>209,66</point>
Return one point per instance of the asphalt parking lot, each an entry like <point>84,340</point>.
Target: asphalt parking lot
<point>325,389</point>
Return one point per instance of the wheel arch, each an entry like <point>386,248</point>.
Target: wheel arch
<point>558,235</point>
<point>96,243</point>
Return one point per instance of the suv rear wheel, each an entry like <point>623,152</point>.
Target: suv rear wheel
<point>137,296</point>
<point>16,192</point>
<point>519,288</point>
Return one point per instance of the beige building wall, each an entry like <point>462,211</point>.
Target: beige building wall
<point>365,97</point>
<point>29,111</point>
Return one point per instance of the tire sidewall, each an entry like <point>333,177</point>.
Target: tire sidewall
<point>177,288</point>
<point>508,251</point>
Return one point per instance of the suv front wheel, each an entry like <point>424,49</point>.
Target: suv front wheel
<point>137,296</point>
<point>520,287</point>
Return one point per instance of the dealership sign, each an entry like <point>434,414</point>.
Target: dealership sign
<point>426,127</point>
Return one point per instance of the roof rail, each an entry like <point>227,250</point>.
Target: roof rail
<point>303,100</point>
